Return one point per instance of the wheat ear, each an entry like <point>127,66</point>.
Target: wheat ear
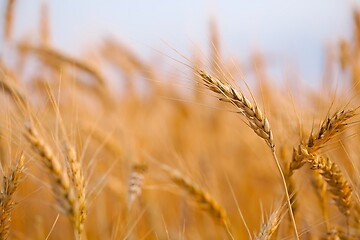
<point>53,54</point>
<point>321,191</point>
<point>78,181</point>
<point>329,128</point>
<point>10,184</point>
<point>269,226</point>
<point>59,178</point>
<point>64,190</point>
<point>204,199</point>
<point>337,183</point>
<point>135,182</point>
<point>306,153</point>
<point>256,119</point>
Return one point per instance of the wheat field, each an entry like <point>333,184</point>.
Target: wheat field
<point>196,154</point>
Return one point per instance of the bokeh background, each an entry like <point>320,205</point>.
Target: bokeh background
<point>290,34</point>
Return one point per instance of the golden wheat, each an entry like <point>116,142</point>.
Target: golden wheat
<point>270,225</point>
<point>10,184</point>
<point>205,200</point>
<point>256,119</point>
<point>60,180</point>
<point>98,196</point>
<point>136,182</point>
<point>78,181</point>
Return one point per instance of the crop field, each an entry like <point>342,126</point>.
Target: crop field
<point>193,152</point>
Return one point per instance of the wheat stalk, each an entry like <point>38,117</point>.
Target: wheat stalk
<point>44,24</point>
<point>102,136</point>
<point>9,19</point>
<point>13,90</point>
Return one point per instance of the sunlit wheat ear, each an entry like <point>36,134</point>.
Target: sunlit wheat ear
<point>321,190</point>
<point>59,178</point>
<point>336,181</point>
<point>135,182</point>
<point>269,226</point>
<point>78,181</point>
<point>257,121</point>
<point>329,128</point>
<point>204,199</point>
<point>9,186</point>
<point>75,173</point>
<point>69,191</point>
<point>306,153</point>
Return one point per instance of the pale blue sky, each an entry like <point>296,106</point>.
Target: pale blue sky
<point>288,31</point>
